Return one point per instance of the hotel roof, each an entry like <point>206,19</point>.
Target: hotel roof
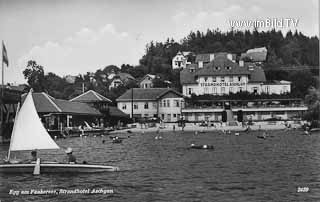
<point>146,94</point>
<point>221,66</point>
<point>205,57</point>
<point>90,96</point>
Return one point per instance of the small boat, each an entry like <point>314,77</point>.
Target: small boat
<point>314,129</point>
<point>29,134</point>
<point>263,136</point>
<point>193,146</point>
<point>116,140</point>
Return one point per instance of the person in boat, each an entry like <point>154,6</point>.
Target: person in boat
<point>70,157</point>
<point>33,155</point>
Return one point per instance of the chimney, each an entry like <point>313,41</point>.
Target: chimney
<point>241,63</point>
<point>211,56</point>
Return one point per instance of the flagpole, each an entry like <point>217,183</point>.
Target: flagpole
<point>2,72</point>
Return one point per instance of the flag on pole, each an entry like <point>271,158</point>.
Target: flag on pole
<point>4,55</point>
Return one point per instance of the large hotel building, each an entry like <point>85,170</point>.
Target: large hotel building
<point>219,74</point>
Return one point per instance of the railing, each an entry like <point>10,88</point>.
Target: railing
<point>244,107</point>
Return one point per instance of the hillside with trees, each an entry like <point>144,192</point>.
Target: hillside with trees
<point>291,49</point>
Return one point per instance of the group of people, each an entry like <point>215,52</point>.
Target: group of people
<point>70,158</point>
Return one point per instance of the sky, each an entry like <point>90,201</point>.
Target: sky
<point>78,36</point>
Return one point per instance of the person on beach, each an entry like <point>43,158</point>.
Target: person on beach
<point>70,157</point>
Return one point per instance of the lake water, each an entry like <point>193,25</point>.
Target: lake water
<point>241,168</point>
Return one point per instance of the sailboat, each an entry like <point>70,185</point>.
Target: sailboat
<point>29,134</point>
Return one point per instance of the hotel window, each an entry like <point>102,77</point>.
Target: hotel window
<point>217,68</point>
<point>169,117</point>
<point>176,103</point>
<point>214,90</point>
<point>182,104</point>
<point>205,79</point>
<point>214,79</point>
<point>223,90</point>
<point>206,90</point>
<point>124,106</point>
<point>189,91</point>
<point>239,78</point>
<point>168,103</point>
<point>164,103</point>
<point>255,89</point>
<point>228,68</point>
<point>146,106</point>
<point>174,115</point>
<point>240,89</point>
<point>231,90</point>
<point>222,79</point>
<point>231,79</point>
<point>135,106</point>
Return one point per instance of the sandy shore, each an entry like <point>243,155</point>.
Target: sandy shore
<point>196,127</point>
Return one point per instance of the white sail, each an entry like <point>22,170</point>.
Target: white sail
<point>28,132</point>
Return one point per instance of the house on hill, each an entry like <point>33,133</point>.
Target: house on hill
<point>180,61</point>
<point>147,81</point>
<point>163,103</point>
<point>256,55</point>
<point>121,79</point>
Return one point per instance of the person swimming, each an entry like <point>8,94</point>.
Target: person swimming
<point>70,157</point>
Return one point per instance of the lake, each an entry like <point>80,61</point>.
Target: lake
<point>283,167</point>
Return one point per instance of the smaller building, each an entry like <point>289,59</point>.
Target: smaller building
<point>163,103</point>
<point>121,79</point>
<point>70,79</point>
<point>57,114</point>
<point>147,81</point>
<point>180,61</point>
<point>111,114</point>
<point>256,55</point>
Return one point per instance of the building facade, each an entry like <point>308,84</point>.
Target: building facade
<point>162,103</point>
<point>147,81</point>
<point>219,74</point>
<point>121,79</point>
<point>180,61</point>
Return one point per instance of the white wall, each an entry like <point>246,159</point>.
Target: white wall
<point>152,108</point>
<point>173,112</point>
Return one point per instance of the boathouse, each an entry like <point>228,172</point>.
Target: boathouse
<point>111,115</point>
<point>57,114</point>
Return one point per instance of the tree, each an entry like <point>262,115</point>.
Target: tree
<point>312,99</point>
<point>34,74</point>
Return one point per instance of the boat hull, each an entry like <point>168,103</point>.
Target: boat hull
<point>56,168</point>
